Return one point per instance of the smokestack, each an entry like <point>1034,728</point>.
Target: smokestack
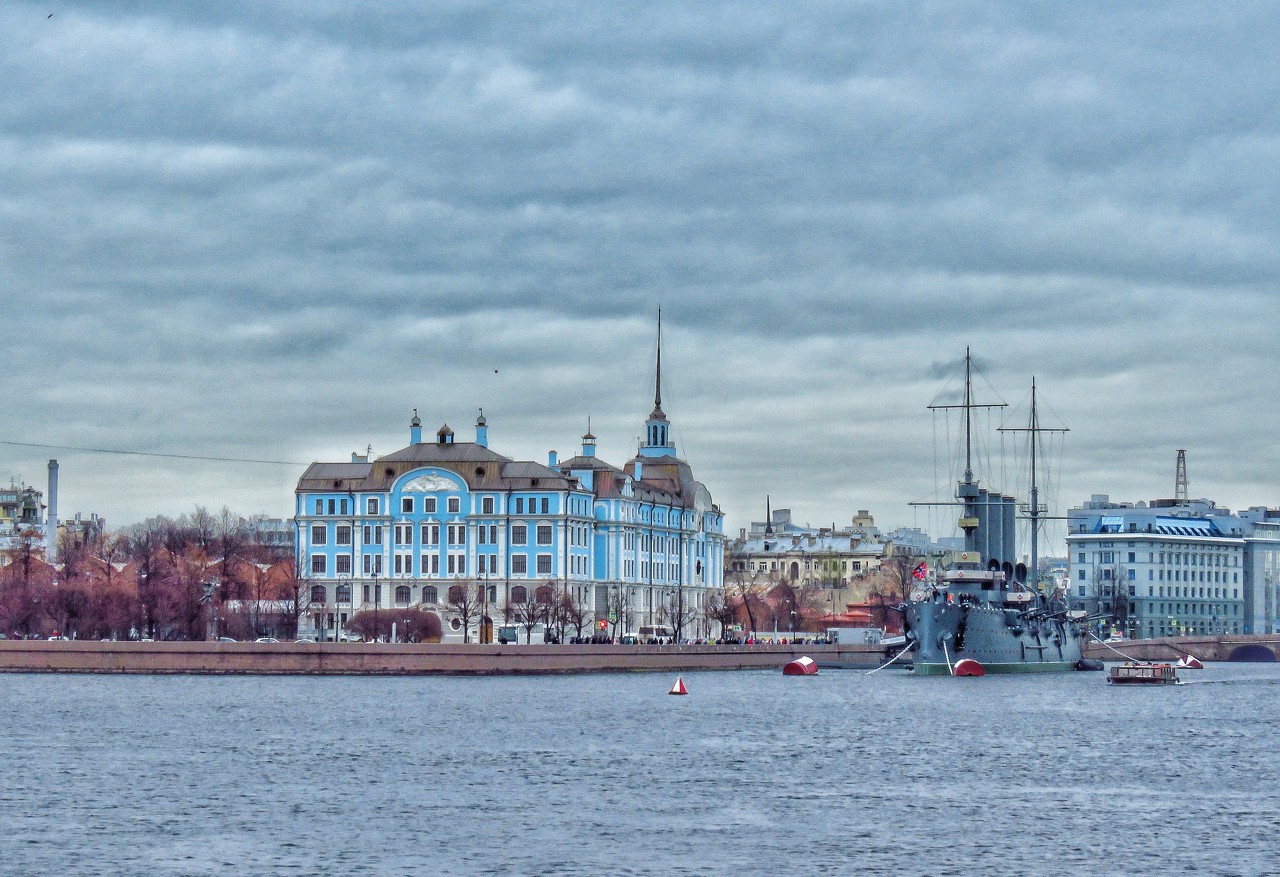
<point>51,518</point>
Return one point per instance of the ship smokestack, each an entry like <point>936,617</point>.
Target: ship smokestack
<point>51,518</point>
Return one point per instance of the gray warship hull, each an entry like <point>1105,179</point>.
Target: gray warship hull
<point>1001,639</point>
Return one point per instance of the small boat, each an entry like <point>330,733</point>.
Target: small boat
<point>1139,673</point>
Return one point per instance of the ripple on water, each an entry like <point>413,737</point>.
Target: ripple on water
<point>752,773</point>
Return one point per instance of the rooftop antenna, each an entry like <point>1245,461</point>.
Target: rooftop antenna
<point>1181,494</point>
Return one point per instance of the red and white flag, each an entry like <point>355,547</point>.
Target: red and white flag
<point>921,572</point>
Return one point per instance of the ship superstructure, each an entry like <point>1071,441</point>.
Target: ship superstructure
<point>985,606</point>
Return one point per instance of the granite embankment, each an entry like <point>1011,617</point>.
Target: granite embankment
<point>382,659</point>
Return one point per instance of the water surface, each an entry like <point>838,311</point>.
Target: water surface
<point>752,773</point>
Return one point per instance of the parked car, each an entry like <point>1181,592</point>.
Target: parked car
<point>266,639</point>
<point>305,639</point>
<point>226,639</point>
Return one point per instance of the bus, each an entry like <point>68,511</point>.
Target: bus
<point>649,632</point>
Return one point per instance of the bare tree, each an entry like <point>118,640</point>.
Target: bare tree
<point>574,614</point>
<point>719,610</point>
<point>896,576</point>
<point>529,614</point>
<point>678,610</point>
<point>746,594</point>
<point>466,605</point>
<point>618,608</point>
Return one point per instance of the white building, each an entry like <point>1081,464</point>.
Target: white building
<point>1164,568</point>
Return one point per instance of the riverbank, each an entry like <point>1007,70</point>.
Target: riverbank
<point>414,659</point>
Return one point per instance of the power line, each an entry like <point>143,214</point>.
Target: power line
<point>152,454</point>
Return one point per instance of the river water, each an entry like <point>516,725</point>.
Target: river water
<point>751,773</point>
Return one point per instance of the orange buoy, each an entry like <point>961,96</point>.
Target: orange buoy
<point>969,667</point>
<point>678,688</point>
<point>805,666</point>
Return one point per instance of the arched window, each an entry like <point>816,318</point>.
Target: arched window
<point>318,594</point>
<point>545,594</point>
<point>429,594</point>
<point>344,594</point>
<point>402,595</point>
<point>456,594</point>
<point>519,594</point>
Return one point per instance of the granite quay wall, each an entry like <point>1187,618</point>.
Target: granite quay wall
<point>1257,647</point>
<point>383,659</point>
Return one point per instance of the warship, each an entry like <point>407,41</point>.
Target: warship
<point>987,613</point>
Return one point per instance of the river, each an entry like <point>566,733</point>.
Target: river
<point>751,773</point>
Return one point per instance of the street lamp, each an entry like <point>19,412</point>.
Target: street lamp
<point>484,608</point>
<point>377,634</point>
<point>344,582</point>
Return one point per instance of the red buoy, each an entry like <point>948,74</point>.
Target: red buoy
<point>968,667</point>
<point>805,666</point>
<point>678,688</point>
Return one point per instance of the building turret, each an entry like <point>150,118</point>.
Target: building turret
<point>588,442</point>
<point>482,430</point>
<point>444,435</point>
<point>415,429</point>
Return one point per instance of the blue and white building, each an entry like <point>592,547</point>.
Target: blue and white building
<point>636,546</point>
<point>1173,567</point>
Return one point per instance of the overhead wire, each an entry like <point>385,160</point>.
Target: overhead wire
<point>210,459</point>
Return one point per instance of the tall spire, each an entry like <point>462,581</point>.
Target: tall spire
<point>657,429</point>
<point>768,517</point>
<point>657,383</point>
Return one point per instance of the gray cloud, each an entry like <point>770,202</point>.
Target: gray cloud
<point>271,231</point>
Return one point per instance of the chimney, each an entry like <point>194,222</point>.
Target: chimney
<point>51,520</point>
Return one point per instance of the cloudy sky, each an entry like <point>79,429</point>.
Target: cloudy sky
<point>272,230</point>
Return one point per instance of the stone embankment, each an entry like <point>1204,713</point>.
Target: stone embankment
<point>1222,647</point>
<point>382,659</point>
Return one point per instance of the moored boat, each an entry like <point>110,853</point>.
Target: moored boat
<point>1143,673</point>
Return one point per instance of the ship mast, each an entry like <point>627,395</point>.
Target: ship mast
<point>967,489</point>
<point>1035,513</point>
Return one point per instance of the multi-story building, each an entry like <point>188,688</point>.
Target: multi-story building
<point>1262,570</point>
<point>828,557</point>
<point>1164,568</point>
<point>22,510</point>
<point>636,546</point>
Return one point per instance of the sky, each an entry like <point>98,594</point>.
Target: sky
<point>271,231</point>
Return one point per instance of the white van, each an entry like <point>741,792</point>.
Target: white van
<point>658,631</point>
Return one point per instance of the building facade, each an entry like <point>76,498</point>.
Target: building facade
<point>808,557</point>
<point>632,547</point>
<point>22,510</point>
<point>1166,568</point>
<point>1262,570</point>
